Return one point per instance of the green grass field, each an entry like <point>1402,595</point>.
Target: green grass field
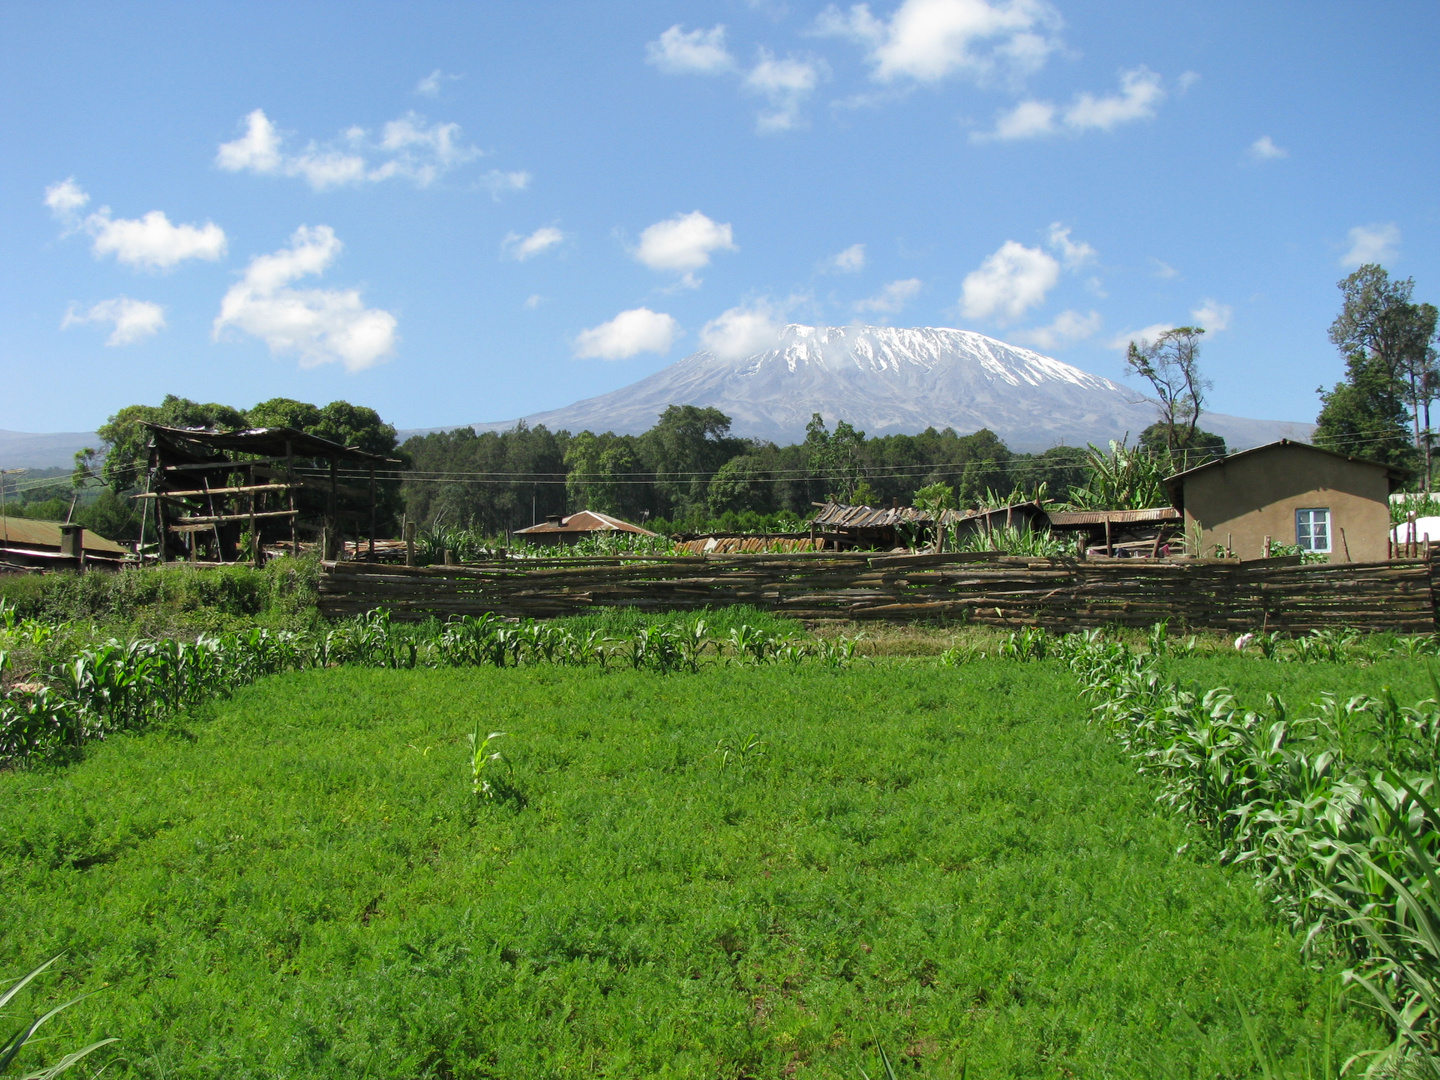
<point>946,860</point>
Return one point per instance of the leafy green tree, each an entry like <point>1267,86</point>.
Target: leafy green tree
<point>126,440</point>
<point>284,412</point>
<point>685,449</point>
<point>836,458</point>
<point>605,474</point>
<point>1171,365</point>
<point>1190,447</point>
<point>933,498</point>
<point>495,482</point>
<point>742,483</point>
<point>1387,341</point>
<point>112,516</point>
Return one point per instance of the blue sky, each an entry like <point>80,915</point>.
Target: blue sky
<point>461,212</point>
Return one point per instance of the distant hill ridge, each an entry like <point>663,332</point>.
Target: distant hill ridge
<point>883,380</point>
<point>890,380</point>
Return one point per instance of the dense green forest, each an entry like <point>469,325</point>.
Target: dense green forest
<point>689,471</point>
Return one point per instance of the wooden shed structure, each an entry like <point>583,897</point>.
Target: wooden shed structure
<point>558,529</point>
<point>882,528</point>
<point>208,489</point>
<point>1150,533</point>
<point>1291,493</point>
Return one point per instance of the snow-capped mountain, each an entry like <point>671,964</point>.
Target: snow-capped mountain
<point>886,380</point>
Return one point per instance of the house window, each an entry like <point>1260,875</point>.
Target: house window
<point>1312,529</point>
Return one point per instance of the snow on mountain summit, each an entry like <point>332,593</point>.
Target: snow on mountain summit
<point>890,380</point>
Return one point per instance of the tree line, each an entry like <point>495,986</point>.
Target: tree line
<point>688,472</point>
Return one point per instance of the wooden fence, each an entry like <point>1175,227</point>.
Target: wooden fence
<point>1059,594</point>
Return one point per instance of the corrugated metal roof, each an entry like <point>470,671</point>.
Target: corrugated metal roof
<point>267,441</point>
<point>1063,518</point>
<point>585,521</point>
<point>22,532</point>
<point>840,516</point>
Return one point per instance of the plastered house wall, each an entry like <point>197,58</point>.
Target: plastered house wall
<point>1240,501</point>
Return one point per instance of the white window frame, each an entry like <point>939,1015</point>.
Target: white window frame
<point>1314,515</point>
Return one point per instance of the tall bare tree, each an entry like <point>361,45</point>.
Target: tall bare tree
<point>1171,365</point>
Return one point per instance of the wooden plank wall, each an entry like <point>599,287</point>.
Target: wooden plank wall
<point>1058,594</point>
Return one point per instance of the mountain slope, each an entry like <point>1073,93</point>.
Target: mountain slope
<point>27,450</point>
<point>887,380</point>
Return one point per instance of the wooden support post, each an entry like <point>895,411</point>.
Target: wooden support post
<point>409,543</point>
<point>372,513</point>
<point>257,552</point>
<point>332,525</point>
<point>1109,545</point>
<point>290,479</point>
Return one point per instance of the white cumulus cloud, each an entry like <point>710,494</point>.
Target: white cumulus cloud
<point>690,52</point>
<point>65,198</point>
<point>1073,253</point>
<point>409,147</point>
<point>1141,92</point>
<point>1212,315</point>
<point>930,40</point>
<point>635,331</point>
<point>432,84</point>
<point>892,298</point>
<point>498,183</point>
<point>1069,327</point>
<point>1372,244</point>
<point>1025,121</point>
<point>1264,149</point>
<point>1009,282</point>
<point>849,261</point>
<point>526,247</point>
<point>320,326</point>
<point>742,331</point>
<point>132,320</point>
<point>786,83</point>
<point>151,241</point>
<point>684,243</point>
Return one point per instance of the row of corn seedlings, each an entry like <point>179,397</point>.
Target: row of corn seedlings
<point>1350,855</point>
<point>111,686</point>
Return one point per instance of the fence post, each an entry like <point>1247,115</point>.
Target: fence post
<point>409,543</point>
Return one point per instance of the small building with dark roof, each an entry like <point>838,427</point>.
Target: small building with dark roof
<point>1292,493</point>
<point>54,545</point>
<point>578,526</point>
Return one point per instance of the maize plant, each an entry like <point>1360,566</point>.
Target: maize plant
<point>1348,855</point>
<point>485,763</point>
<point>11,1048</point>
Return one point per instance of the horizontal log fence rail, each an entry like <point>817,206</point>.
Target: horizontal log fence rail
<point>1058,594</point>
